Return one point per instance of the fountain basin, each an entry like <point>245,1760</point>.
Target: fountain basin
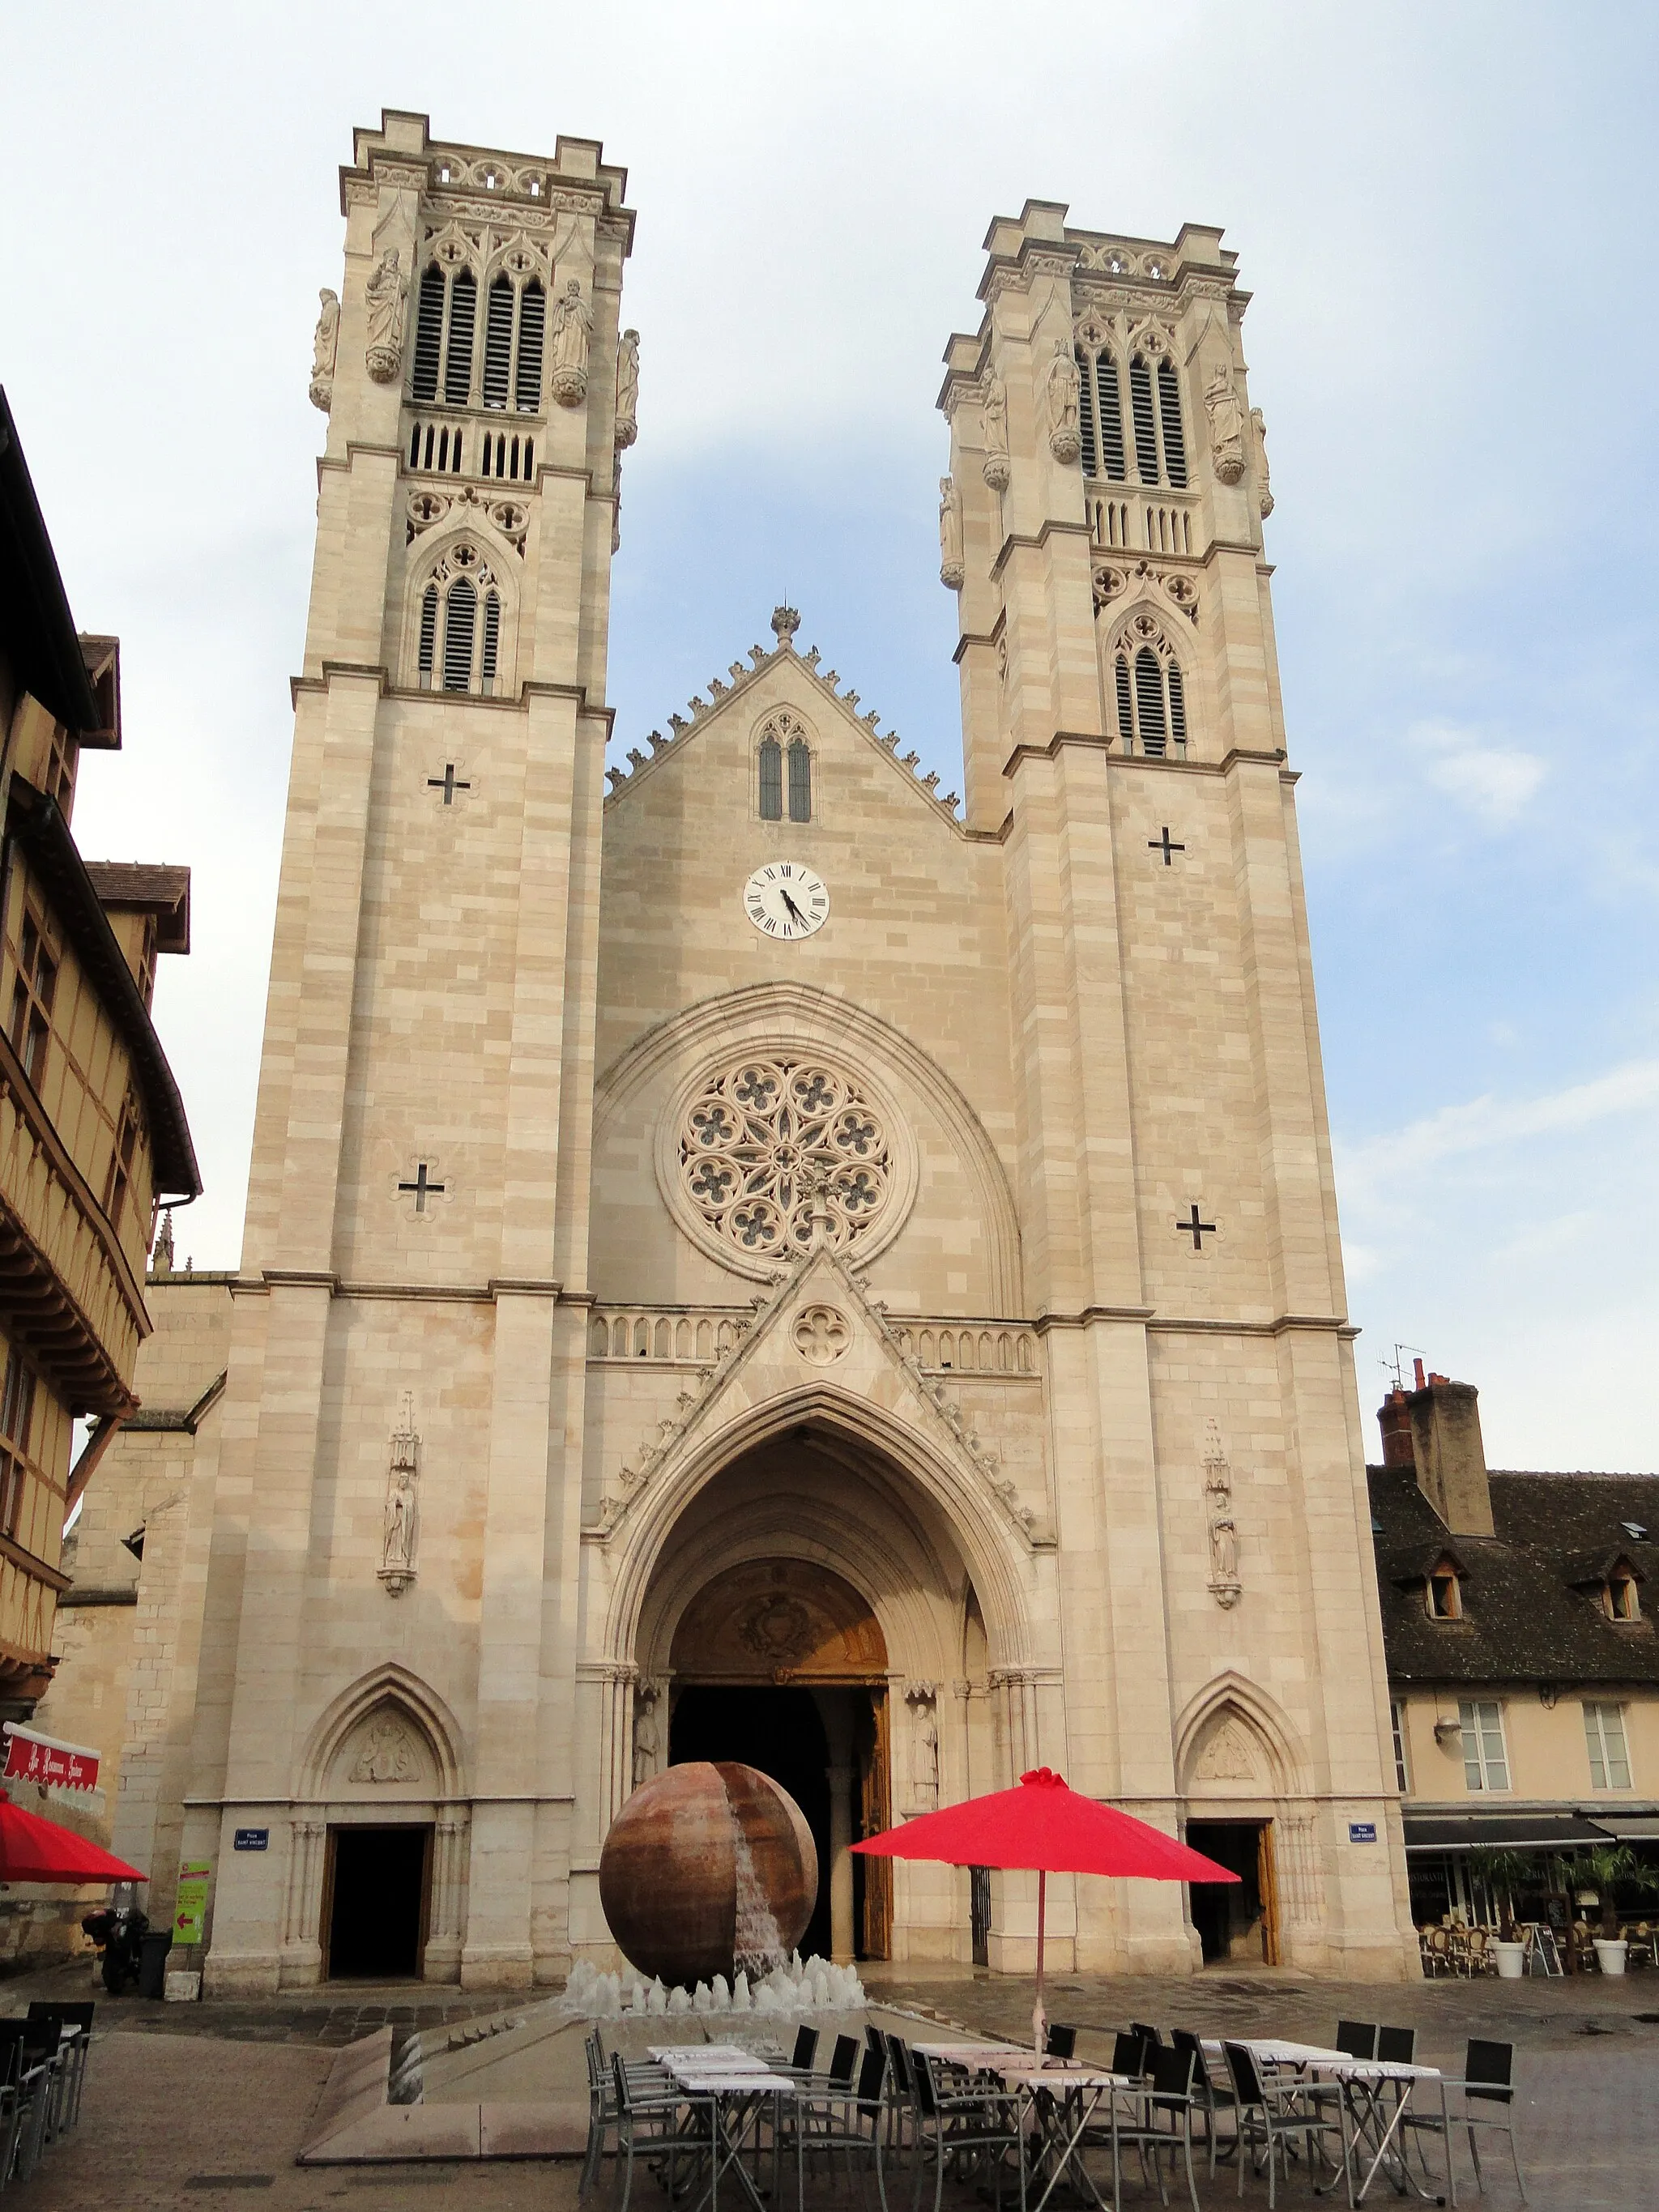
<point>710,1869</point>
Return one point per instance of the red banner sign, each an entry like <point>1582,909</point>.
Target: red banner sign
<point>52,1766</point>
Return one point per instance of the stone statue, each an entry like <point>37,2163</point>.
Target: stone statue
<point>1065,440</point>
<point>324,343</point>
<point>993,431</point>
<point>1223,1549</point>
<point>572,326</point>
<point>383,355</point>
<point>645,1735</point>
<point>628,389</point>
<point>924,1770</point>
<point>388,1755</point>
<point>951,573</point>
<point>1224,1584</point>
<point>399,1529</point>
<point>1263,480</point>
<point>1226,412</point>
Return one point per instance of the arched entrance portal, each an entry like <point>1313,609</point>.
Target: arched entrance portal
<point>781,1663</point>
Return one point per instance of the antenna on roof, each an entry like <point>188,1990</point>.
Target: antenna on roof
<point>1396,1365</point>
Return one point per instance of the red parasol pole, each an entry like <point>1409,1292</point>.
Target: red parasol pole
<point>1039,2018</point>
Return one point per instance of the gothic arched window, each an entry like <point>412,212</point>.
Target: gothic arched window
<point>498,342</point>
<point>460,621</point>
<point>1100,412</point>
<point>771,779</point>
<point>1149,692</point>
<point>1169,413</point>
<point>800,780</point>
<point>457,357</point>
<point>1140,407</point>
<point>429,334</point>
<point>533,326</point>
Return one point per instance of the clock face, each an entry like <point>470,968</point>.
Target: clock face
<point>783,899</point>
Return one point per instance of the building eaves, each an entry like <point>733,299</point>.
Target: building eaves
<point>39,826</point>
<point>159,888</point>
<point>37,631</point>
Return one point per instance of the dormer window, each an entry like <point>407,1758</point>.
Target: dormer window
<point>1622,1599</point>
<point>1444,1592</point>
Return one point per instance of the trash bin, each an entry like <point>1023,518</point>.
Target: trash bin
<point>152,1963</point>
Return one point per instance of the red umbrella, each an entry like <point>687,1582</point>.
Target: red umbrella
<point>1045,1828</point>
<point>34,1849</point>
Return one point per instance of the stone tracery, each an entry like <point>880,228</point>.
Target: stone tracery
<point>766,1144</point>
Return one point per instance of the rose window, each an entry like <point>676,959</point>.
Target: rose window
<point>769,1143</point>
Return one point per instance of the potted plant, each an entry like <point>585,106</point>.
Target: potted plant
<point>1606,1866</point>
<point>1503,1872</point>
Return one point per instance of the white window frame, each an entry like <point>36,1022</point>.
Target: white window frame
<point>1607,1742</point>
<point>1402,1765</point>
<point>1485,1769</point>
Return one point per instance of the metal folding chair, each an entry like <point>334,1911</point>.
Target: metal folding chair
<point>1273,2117</point>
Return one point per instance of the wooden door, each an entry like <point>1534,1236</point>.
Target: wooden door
<point>875,1799</point>
<point>1267,1883</point>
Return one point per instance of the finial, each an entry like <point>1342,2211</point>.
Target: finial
<point>784,622</point>
<point>162,1264</point>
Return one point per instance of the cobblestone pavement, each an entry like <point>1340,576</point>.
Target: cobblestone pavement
<point>206,2105</point>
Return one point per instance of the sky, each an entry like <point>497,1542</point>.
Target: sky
<point>1441,213</point>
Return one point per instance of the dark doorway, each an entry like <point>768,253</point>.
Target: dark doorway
<point>779,1732</point>
<point>1236,1920</point>
<point>979,1913</point>
<point>375,1903</point>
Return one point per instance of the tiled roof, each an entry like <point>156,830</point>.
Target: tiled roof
<point>1527,1617</point>
<point>160,886</point>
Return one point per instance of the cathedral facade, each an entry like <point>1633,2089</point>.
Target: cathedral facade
<point>767,1260</point>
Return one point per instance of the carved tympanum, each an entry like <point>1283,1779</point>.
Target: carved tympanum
<point>1229,1756</point>
<point>389,1754</point>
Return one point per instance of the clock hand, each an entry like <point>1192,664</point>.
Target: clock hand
<point>795,913</point>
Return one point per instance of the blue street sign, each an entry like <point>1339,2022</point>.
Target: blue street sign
<point>1362,1832</point>
<point>253,1839</point>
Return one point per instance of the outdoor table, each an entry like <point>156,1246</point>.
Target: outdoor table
<point>737,2085</point>
<point>1362,2082</point>
<point>1074,2092</point>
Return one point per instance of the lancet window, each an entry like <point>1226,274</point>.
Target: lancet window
<point>1151,435</point>
<point>458,634</point>
<point>446,360</point>
<point>1149,692</point>
<point>784,764</point>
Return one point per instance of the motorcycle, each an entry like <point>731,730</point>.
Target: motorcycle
<point>118,1933</point>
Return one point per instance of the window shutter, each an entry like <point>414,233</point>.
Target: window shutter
<point>1125,713</point>
<point>532,323</point>
<point>771,779</point>
<point>1149,699</point>
<point>428,630</point>
<point>800,781</point>
<point>1168,408</point>
<point>462,314</point>
<point>1110,410</point>
<point>492,634</point>
<point>1140,406</point>
<point>1177,707</point>
<point>498,343</point>
<point>429,334</point>
<point>460,619</point>
<point>1085,423</point>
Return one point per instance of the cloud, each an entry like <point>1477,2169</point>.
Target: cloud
<point>1493,1125</point>
<point>1495,783</point>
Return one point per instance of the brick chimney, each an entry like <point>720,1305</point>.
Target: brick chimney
<point>1444,1446</point>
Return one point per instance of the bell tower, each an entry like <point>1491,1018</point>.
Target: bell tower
<point>418,1196</point>
<point>1124,743</point>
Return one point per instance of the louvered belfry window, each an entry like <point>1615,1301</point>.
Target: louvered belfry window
<point>429,334</point>
<point>1149,693</point>
<point>1126,705</point>
<point>460,621</point>
<point>800,780</point>
<point>458,358</point>
<point>771,779</point>
<point>532,328</point>
<point>428,630</point>
<point>1140,406</point>
<point>1100,410</point>
<point>1149,703</point>
<point>498,342</point>
<point>1169,413</point>
<point>492,638</point>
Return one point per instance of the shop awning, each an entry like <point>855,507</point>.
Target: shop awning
<point>1630,1827</point>
<point>1516,1831</point>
